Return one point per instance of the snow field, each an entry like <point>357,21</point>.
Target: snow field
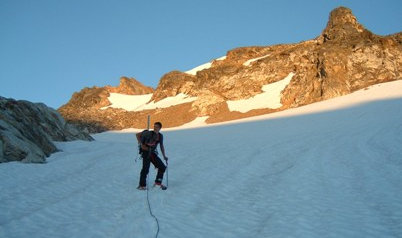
<point>269,98</point>
<point>331,169</point>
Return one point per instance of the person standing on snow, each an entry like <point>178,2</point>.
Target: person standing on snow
<point>148,141</point>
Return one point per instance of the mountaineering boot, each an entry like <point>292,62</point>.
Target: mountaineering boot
<point>163,187</point>
<point>142,188</point>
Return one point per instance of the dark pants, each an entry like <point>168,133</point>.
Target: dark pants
<point>157,162</point>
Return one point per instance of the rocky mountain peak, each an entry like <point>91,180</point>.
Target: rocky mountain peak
<point>96,97</point>
<point>342,24</point>
<point>130,86</point>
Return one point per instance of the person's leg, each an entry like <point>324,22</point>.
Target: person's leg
<point>161,168</point>
<point>144,170</point>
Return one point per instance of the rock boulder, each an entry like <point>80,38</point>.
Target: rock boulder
<point>27,131</point>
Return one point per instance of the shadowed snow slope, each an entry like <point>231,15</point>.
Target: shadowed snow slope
<point>334,173</point>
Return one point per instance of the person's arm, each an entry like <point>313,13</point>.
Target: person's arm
<point>138,135</point>
<point>163,149</point>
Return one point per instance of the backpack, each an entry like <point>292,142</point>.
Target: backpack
<point>148,137</point>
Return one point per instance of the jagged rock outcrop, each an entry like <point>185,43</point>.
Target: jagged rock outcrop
<point>84,109</point>
<point>174,83</point>
<point>129,86</point>
<point>96,97</point>
<point>27,131</point>
<point>344,58</point>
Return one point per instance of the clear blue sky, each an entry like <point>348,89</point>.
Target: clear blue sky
<point>50,49</point>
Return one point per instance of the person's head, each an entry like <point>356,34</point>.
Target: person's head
<point>157,126</point>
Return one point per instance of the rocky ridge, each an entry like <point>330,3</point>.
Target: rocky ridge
<point>84,108</point>
<point>344,58</point>
<point>27,131</point>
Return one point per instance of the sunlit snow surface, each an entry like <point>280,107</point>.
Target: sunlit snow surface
<point>269,98</point>
<point>141,102</point>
